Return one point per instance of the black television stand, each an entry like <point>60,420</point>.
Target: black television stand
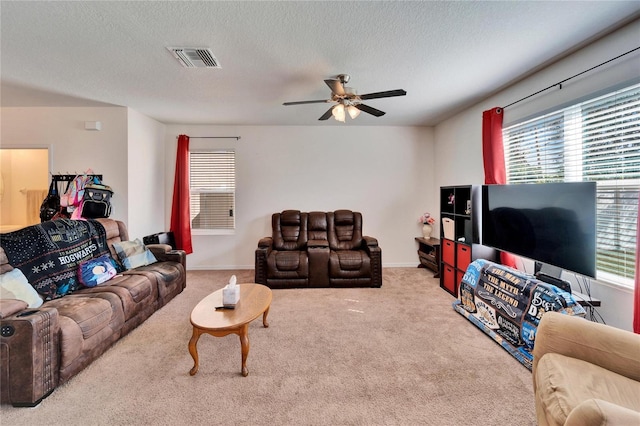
<point>551,275</point>
<point>558,282</point>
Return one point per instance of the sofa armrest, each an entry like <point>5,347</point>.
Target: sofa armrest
<point>265,242</point>
<point>594,412</point>
<point>370,246</point>
<point>319,253</point>
<point>9,307</point>
<point>30,356</point>
<point>608,347</point>
<point>262,252</point>
<point>164,253</point>
<point>370,241</point>
<point>318,244</point>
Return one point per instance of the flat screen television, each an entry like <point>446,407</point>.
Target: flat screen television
<point>551,223</point>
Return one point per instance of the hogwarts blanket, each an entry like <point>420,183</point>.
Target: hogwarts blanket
<point>49,253</point>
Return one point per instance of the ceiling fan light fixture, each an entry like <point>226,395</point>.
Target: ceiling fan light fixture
<point>338,113</point>
<point>347,100</point>
<point>353,111</point>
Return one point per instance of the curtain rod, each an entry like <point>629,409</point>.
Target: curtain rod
<point>214,137</point>
<point>567,79</point>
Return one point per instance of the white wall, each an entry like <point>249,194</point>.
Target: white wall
<point>458,140</point>
<point>386,173</point>
<point>72,148</point>
<point>145,174</point>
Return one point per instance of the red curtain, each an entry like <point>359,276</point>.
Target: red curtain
<point>492,148</point>
<point>180,214</point>
<point>493,158</point>
<point>636,294</point>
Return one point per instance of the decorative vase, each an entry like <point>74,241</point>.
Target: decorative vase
<point>426,230</point>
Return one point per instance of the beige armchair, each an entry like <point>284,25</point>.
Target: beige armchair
<point>585,373</point>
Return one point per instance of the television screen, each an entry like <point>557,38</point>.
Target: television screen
<point>553,223</point>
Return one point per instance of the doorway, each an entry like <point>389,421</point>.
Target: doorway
<point>24,183</point>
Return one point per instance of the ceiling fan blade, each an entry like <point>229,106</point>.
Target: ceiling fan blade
<point>370,110</point>
<point>335,86</point>
<point>327,114</point>
<point>319,101</point>
<point>387,94</point>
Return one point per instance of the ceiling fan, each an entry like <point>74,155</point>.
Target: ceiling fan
<point>347,100</point>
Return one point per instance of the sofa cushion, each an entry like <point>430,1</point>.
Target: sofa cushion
<point>288,265</point>
<point>317,228</point>
<point>349,264</point>
<point>136,292</point>
<point>290,218</point>
<point>345,230</point>
<point>165,271</point>
<point>169,277</point>
<point>563,383</point>
<point>91,314</point>
<point>288,260</point>
<point>289,230</point>
<point>351,260</point>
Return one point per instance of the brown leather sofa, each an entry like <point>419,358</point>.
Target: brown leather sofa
<point>45,347</point>
<point>318,249</point>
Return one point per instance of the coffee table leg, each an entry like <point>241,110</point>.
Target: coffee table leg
<point>264,317</point>
<point>244,344</point>
<point>193,349</point>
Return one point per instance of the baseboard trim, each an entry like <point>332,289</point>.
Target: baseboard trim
<point>245,267</point>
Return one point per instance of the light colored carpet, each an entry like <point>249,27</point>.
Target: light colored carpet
<point>397,355</point>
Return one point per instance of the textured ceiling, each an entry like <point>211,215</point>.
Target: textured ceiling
<point>446,55</point>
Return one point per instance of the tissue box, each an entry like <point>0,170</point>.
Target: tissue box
<point>230,296</point>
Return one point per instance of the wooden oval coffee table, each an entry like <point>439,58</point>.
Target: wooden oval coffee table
<point>255,299</point>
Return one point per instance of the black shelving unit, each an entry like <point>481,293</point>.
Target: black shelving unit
<point>460,244</point>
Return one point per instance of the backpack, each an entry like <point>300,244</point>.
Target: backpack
<point>96,200</point>
<point>51,204</point>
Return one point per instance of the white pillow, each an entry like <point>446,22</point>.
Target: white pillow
<point>14,285</point>
<point>133,254</point>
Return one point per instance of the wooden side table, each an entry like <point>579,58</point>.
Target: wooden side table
<point>429,254</point>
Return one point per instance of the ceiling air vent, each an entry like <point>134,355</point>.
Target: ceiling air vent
<point>195,57</point>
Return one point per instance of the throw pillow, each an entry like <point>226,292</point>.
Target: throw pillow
<point>14,285</point>
<point>133,254</point>
<point>96,271</point>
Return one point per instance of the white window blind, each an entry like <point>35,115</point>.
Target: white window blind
<point>596,140</point>
<point>213,186</point>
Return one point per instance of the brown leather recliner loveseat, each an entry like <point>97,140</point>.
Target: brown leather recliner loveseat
<point>318,249</point>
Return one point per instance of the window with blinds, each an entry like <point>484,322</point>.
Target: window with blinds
<point>596,140</point>
<point>213,186</point>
